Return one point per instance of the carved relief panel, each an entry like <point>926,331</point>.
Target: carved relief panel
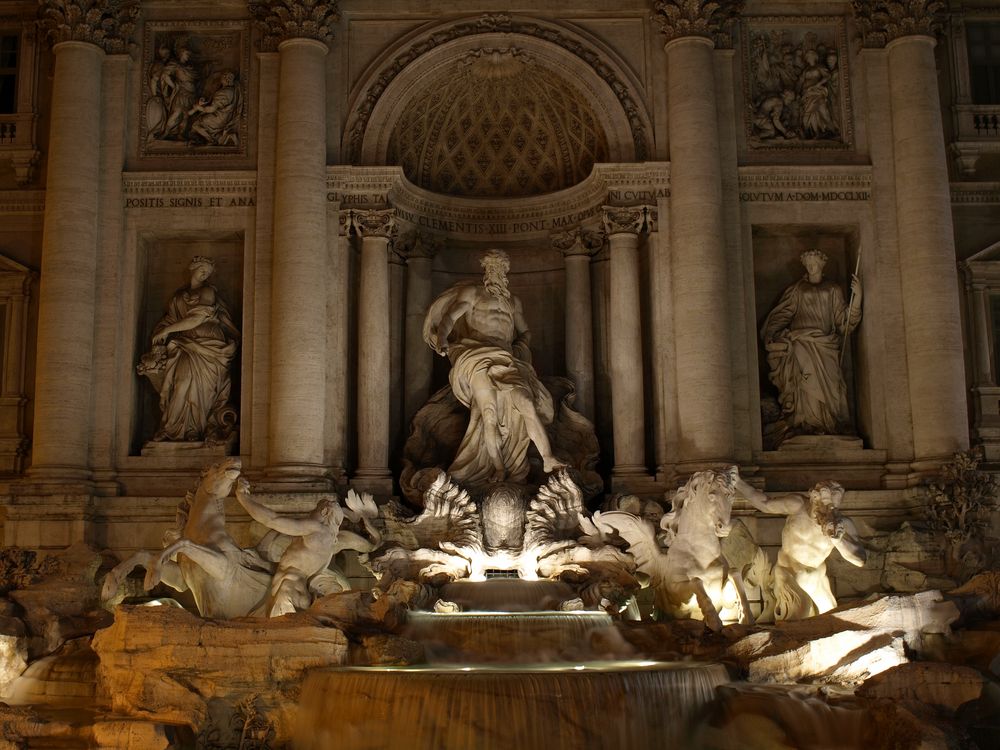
<point>796,87</point>
<point>194,90</point>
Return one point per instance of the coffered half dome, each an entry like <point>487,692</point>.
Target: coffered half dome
<point>495,123</point>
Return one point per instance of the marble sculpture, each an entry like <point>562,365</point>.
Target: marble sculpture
<point>798,586</point>
<point>692,579</point>
<point>189,364</point>
<point>482,331</point>
<point>804,336</point>
<point>286,570</point>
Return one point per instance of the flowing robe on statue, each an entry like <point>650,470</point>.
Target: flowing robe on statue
<point>477,358</point>
<point>803,334</point>
<point>196,382</point>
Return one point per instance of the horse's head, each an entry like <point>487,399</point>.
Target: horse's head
<point>217,480</point>
<point>708,498</point>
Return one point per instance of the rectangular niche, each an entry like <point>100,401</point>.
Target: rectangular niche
<point>164,271</point>
<point>777,266</point>
<point>796,84</point>
<point>194,89</point>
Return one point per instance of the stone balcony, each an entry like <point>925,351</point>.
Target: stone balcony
<point>977,133</point>
<point>17,143</point>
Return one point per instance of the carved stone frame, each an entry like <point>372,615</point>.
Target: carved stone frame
<point>835,24</point>
<point>206,29</point>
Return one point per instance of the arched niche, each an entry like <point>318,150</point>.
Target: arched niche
<point>406,71</point>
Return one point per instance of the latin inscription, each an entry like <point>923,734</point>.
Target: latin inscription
<point>192,201</point>
<point>815,195</point>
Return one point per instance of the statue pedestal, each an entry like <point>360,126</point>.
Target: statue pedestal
<point>190,449</point>
<point>803,460</point>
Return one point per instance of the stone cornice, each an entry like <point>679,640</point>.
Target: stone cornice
<point>107,24</point>
<point>882,21</point>
<point>709,19</point>
<point>280,20</point>
<point>189,183</point>
<point>805,179</point>
<point>536,217</point>
<point>973,193</point>
<point>22,202</point>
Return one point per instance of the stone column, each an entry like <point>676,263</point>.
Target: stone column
<point>418,358</point>
<point>979,310</point>
<point>81,32</point>
<point>622,226</point>
<point>578,247</point>
<point>929,278</point>
<point>374,227</point>
<point>298,295</point>
<point>700,272</point>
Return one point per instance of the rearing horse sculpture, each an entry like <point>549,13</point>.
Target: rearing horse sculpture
<point>200,556</point>
<point>693,579</point>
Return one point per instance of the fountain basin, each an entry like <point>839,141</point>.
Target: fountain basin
<point>589,704</point>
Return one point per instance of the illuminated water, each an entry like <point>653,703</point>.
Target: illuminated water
<point>557,707</point>
<point>518,680</point>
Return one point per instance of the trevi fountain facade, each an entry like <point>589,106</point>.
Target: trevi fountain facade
<point>487,375</point>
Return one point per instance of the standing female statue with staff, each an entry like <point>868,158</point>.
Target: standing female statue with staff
<point>804,336</point>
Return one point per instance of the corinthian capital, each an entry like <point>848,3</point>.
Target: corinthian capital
<point>624,220</point>
<point>418,244</point>
<point>374,222</point>
<point>704,18</point>
<point>105,23</point>
<point>583,242</point>
<point>294,19</point>
<point>881,21</point>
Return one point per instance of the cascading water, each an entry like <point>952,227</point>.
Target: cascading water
<point>543,679</point>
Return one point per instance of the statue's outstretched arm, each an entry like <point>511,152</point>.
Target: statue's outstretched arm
<point>264,515</point>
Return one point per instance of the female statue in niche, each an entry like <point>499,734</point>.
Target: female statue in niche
<point>803,336</point>
<point>193,348</point>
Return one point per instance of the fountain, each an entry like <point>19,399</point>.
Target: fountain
<point>496,618</point>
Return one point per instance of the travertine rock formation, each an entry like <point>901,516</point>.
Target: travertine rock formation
<point>167,665</point>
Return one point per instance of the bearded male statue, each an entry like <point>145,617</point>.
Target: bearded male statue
<point>481,329</point>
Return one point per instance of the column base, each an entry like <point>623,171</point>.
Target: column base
<point>377,481</point>
<point>296,478</point>
<point>55,480</point>
<point>634,479</point>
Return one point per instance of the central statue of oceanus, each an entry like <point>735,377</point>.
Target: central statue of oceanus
<point>481,329</point>
<point>481,430</point>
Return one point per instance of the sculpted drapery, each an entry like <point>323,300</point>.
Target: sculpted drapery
<point>481,329</point>
<point>803,336</point>
<point>193,349</point>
